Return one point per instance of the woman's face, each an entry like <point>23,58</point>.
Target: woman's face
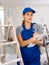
<point>28,16</point>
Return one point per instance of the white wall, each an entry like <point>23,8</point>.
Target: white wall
<point>16,15</point>
<point>42,15</point>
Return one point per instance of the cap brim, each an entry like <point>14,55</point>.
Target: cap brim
<point>33,11</point>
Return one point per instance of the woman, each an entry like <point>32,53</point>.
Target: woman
<point>26,35</point>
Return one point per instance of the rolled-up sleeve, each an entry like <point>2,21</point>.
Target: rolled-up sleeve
<point>38,28</point>
<point>18,30</point>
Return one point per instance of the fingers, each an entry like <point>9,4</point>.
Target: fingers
<point>35,35</point>
<point>38,36</point>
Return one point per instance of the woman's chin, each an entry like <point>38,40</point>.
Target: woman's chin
<point>29,21</point>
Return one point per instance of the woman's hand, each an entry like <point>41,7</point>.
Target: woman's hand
<point>38,36</point>
<point>36,41</point>
<point>41,42</point>
<point>35,35</point>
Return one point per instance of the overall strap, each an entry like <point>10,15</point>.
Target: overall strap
<point>23,26</point>
<point>32,24</point>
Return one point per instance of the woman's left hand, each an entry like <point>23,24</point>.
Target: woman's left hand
<point>38,36</point>
<point>35,35</point>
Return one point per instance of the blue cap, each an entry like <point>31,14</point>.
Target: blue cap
<point>27,10</point>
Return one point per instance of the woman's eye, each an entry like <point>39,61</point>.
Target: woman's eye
<point>27,14</point>
<point>31,14</point>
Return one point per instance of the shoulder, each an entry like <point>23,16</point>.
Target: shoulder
<point>35,25</point>
<point>19,29</point>
<point>38,28</point>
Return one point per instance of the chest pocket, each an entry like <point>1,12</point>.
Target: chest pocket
<point>26,34</point>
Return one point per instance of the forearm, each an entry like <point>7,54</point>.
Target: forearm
<point>27,42</point>
<point>32,40</point>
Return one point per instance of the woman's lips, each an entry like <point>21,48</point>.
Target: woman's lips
<point>30,19</point>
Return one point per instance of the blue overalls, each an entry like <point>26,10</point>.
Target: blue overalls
<point>30,55</point>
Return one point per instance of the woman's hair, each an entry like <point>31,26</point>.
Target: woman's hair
<point>23,22</point>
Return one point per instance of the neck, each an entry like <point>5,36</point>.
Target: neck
<point>27,24</point>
